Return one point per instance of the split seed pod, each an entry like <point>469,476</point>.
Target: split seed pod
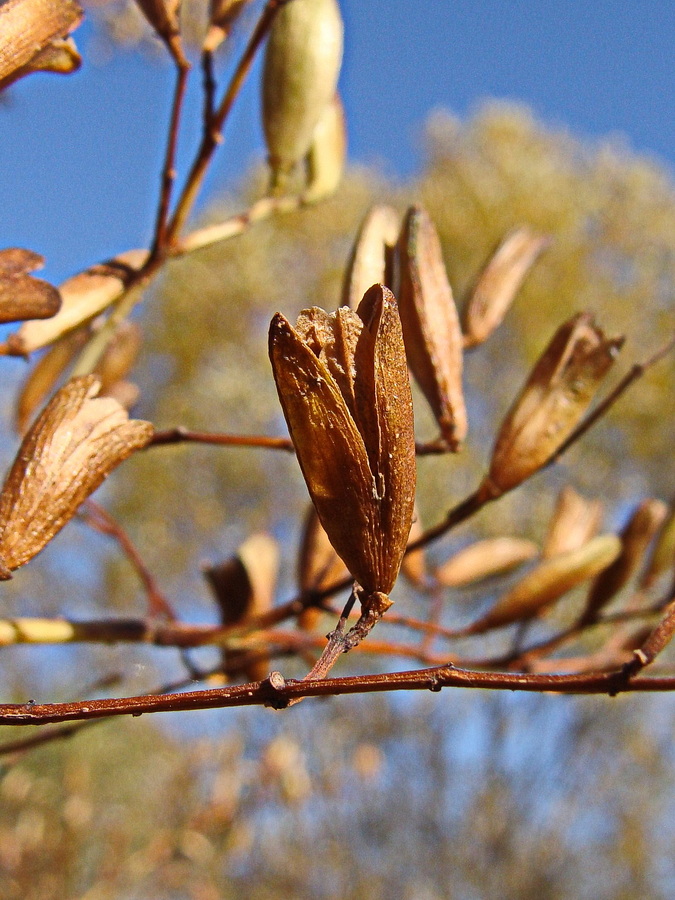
<point>72,447</point>
<point>433,338</point>
<point>498,284</point>
<point>549,581</point>
<point>327,153</point>
<point>555,397</point>
<point>83,296</point>
<point>635,538</point>
<point>371,258</point>
<point>21,295</point>
<point>244,586</point>
<point>300,73</point>
<point>343,385</point>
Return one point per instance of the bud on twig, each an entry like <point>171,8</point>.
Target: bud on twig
<point>371,256</point>
<point>300,74</point>
<point>21,295</point>
<point>223,15</point>
<point>163,15</point>
<point>498,284</point>
<point>549,581</point>
<point>343,385</point>
<point>556,395</point>
<point>433,338</point>
<point>73,446</point>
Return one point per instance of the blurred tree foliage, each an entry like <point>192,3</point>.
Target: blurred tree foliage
<point>436,797</point>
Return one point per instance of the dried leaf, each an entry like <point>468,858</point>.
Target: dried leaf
<point>498,284</point>
<point>83,296</point>
<point>27,29</point>
<point>300,73</point>
<point>484,559</point>
<point>22,296</point>
<point>635,538</point>
<point>574,522</point>
<point>344,389</point>
<point>549,581</point>
<point>72,447</point>
<point>433,338</point>
<point>556,395</point>
<point>371,256</point>
<point>327,153</point>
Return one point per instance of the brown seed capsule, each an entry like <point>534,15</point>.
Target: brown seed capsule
<point>29,32</point>
<point>327,153</point>
<point>484,559</point>
<point>83,296</point>
<point>73,446</point>
<point>549,581</point>
<point>371,258</point>
<point>498,284</point>
<point>243,587</point>
<point>300,73</point>
<point>433,338</point>
<point>635,538</point>
<point>574,522</point>
<point>553,400</point>
<point>343,385</point>
<point>21,295</point>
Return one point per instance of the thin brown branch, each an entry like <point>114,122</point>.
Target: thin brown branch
<point>182,435</point>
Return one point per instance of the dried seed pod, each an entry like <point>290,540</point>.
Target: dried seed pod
<point>371,257</point>
<point>574,522</point>
<point>21,295</point>
<point>549,581</point>
<point>433,338</point>
<point>73,446</point>
<point>119,356</point>
<point>498,283</point>
<point>319,566</point>
<point>243,587</point>
<point>327,154</point>
<point>662,557</point>
<point>45,374</point>
<point>485,559</point>
<point>343,384</point>
<point>553,400</point>
<point>83,296</point>
<point>223,14</point>
<point>29,32</point>
<point>635,538</point>
<point>300,73</point>
<point>414,565</point>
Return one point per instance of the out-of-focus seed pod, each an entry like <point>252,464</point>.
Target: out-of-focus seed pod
<point>551,404</point>
<point>485,559</point>
<point>319,566</point>
<point>244,586</point>
<point>163,15</point>
<point>301,68</point>
<point>83,297</point>
<point>549,581</point>
<point>119,356</point>
<point>223,15</point>
<point>433,338</point>
<point>327,154</point>
<point>371,258</point>
<point>21,295</point>
<point>30,37</point>
<point>662,558</point>
<point>343,384</point>
<point>498,284</point>
<point>574,522</point>
<point>73,446</point>
<point>635,538</point>
<point>414,565</point>
<point>45,374</point>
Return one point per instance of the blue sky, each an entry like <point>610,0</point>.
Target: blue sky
<point>76,152</point>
